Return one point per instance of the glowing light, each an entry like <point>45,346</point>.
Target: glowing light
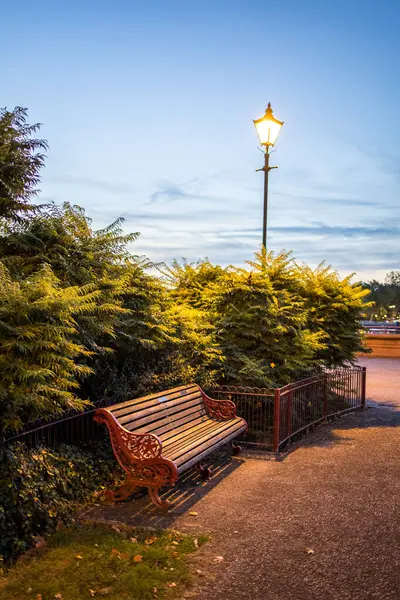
<point>268,128</point>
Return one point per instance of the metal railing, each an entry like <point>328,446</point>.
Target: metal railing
<point>73,428</point>
<point>379,328</point>
<point>275,416</point>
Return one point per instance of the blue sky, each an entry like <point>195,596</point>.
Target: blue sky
<point>148,109</point>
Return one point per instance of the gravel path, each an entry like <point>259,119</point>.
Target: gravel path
<point>324,523</point>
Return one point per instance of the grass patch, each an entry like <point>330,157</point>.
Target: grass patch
<point>96,561</point>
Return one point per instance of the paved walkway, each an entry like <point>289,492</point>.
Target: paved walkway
<point>324,523</point>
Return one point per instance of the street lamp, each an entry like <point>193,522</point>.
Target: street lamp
<point>268,129</point>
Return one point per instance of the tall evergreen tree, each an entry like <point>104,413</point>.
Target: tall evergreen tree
<point>21,159</point>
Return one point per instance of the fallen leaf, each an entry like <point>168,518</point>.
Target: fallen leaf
<point>175,543</point>
<point>124,555</point>
<point>40,542</point>
<point>138,558</point>
<point>172,584</point>
<point>310,551</point>
<point>134,540</point>
<point>115,528</point>
<point>193,513</point>
<point>58,596</point>
<point>149,541</point>
<point>218,559</point>
<point>92,592</point>
<point>79,556</point>
<point>196,543</point>
<point>39,597</point>
<point>115,551</point>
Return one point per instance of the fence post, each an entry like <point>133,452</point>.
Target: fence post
<point>325,397</point>
<point>289,413</point>
<point>363,385</point>
<point>277,418</point>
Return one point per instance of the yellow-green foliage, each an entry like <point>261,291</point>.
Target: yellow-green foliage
<point>334,306</point>
<point>262,322</point>
<point>38,353</point>
<point>274,320</point>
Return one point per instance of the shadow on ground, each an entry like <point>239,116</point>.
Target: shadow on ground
<point>188,490</point>
<point>374,416</point>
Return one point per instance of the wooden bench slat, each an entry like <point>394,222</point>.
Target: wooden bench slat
<point>183,418</point>
<point>167,427</point>
<point>230,432</point>
<point>135,421</point>
<point>189,431</point>
<point>183,428</point>
<point>203,454</point>
<point>139,404</point>
<point>177,451</point>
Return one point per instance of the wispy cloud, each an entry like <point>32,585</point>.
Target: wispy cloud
<point>169,192</point>
<point>96,184</point>
<point>340,231</point>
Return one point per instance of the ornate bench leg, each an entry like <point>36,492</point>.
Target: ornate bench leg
<point>236,450</point>
<point>204,472</point>
<point>122,493</point>
<point>155,498</point>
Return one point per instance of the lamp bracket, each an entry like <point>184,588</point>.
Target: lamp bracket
<point>263,169</point>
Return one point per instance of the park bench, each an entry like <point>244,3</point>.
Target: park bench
<point>158,437</point>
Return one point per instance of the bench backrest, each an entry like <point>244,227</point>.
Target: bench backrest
<point>163,413</point>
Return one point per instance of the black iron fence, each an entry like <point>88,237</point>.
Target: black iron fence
<point>73,428</point>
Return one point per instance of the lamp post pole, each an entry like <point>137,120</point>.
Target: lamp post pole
<point>266,173</point>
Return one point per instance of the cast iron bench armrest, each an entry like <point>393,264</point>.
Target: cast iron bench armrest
<point>219,409</point>
<point>138,446</point>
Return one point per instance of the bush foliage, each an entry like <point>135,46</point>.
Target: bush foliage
<point>41,488</point>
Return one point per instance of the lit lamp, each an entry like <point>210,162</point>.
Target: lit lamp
<point>268,129</point>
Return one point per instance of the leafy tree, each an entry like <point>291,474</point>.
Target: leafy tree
<point>188,348</point>
<point>63,238</point>
<point>21,159</point>
<point>334,307</point>
<point>384,297</point>
<point>261,323</point>
<point>189,282</point>
<point>393,278</point>
<point>38,353</point>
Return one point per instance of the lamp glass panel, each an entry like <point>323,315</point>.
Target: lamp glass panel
<point>268,131</point>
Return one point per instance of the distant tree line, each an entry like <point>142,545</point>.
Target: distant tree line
<point>385,297</point>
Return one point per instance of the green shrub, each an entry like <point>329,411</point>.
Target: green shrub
<point>334,306</point>
<point>262,325</point>
<point>41,487</point>
<point>38,352</point>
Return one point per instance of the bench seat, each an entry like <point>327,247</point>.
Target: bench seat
<point>157,437</point>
